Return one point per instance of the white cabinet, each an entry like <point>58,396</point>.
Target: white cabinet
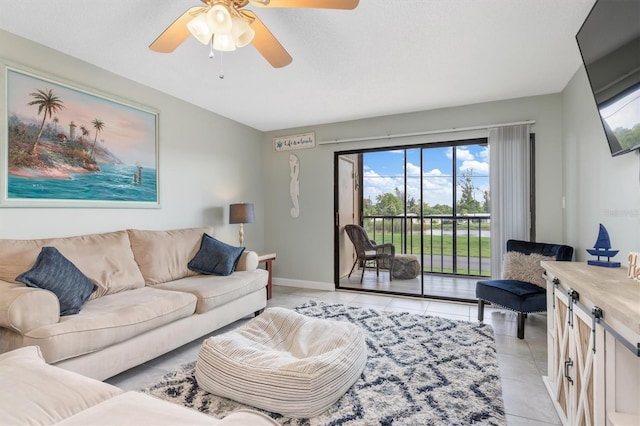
<point>593,324</point>
<point>572,362</point>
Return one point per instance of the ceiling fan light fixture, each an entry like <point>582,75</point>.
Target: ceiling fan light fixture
<point>223,43</point>
<point>242,32</point>
<point>200,28</point>
<point>220,19</point>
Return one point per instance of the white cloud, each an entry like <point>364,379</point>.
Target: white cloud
<point>461,154</point>
<point>413,170</point>
<point>464,155</point>
<point>476,167</point>
<point>375,185</point>
<point>484,154</point>
<point>436,185</point>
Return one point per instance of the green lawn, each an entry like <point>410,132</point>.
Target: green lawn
<point>471,246</point>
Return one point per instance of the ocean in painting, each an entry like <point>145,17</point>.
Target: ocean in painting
<point>111,183</point>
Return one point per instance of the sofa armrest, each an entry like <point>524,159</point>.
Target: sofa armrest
<point>24,308</point>
<point>248,261</point>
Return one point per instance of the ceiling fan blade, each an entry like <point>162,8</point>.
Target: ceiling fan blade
<point>175,33</point>
<point>266,43</point>
<point>316,4</point>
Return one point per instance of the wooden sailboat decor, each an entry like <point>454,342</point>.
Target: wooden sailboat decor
<point>602,248</point>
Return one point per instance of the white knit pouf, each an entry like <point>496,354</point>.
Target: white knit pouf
<point>283,362</point>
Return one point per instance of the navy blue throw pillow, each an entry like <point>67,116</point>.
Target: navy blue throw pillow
<point>54,272</point>
<point>215,257</point>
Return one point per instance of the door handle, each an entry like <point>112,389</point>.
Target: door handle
<point>568,364</point>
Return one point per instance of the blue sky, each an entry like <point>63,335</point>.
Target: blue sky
<point>384,170</point>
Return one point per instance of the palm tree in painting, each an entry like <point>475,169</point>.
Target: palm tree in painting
<point>85,133</point>
<point>48,102</point>
<point>55,120</point>
<point>98,125</point>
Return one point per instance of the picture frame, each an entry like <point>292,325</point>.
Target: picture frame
<point>66,145</point>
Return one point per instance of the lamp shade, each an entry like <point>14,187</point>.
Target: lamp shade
<point>242,32</point>
<point>200,28</point>
<point>223,42</point>
<point>241,213</point>
<point>220,19</point>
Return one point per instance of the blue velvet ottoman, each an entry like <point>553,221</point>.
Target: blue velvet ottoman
<point>519,296</point>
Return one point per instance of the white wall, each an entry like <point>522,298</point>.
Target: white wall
<point>599,188</point>
<point>206,161</point>
<point>305,245</point>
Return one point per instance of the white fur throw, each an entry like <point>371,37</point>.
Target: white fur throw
<point>524,267</point>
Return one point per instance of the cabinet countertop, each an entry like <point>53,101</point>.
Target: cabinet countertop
<point>608,288</point>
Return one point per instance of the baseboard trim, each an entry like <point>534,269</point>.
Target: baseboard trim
<point>311,285</point>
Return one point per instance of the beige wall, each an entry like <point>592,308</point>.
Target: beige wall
<point>206,161</point>
<point>600,188</point>
<point>305,244</point>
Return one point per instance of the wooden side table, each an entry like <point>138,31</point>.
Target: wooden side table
<point>268,260</point>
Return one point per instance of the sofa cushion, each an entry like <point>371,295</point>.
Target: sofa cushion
<point>16,309</point>
<point>109,320</point>
<point>36,393</point>
<point>106,259</point>
<point>163,255</point>
<point>248,261</point>
<point>215,257</point>
<point>216,290</point>
<point>135,408</point>
<point>52,271</point>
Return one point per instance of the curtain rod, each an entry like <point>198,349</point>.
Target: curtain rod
<point>429,132</point>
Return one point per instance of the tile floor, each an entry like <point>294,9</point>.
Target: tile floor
<point>522,362</point>
<point>454,287</point>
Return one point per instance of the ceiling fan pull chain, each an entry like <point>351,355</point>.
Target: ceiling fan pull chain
<point>211,49</point>
<point>221,75</point>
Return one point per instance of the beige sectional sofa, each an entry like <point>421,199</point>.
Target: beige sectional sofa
<point>146,303</point>
<point>36,393</point>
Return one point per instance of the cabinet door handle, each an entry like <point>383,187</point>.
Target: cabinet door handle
<point>568,364</point>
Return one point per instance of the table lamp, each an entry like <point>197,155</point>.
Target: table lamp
<point>241,213</point>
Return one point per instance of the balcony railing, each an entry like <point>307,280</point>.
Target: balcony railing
<point>456,245</point>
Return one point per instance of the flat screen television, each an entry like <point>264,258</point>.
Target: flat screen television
<point>609,42</point>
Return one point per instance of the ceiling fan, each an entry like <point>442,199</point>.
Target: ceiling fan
<point>226,25</point>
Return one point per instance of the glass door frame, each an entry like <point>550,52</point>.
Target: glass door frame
<point>444,144</point>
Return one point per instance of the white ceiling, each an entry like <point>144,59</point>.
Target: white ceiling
<point>384,57</point>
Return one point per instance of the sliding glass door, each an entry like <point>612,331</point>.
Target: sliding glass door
<point>432,203</point>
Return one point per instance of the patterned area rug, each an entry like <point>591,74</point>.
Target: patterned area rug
<point>421,370</point>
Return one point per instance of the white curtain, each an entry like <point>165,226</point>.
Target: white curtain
<point>510,181</point>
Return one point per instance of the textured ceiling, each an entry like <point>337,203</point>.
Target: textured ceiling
<point>384,57</point>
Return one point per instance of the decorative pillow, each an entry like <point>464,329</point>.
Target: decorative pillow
<point>215,257</point>
<point>54,272</point>
<point>524,267</point>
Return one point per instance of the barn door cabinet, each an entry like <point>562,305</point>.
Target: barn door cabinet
<point>593,333</point>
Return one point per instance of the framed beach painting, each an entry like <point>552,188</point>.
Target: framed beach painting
<point>68,146</point>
